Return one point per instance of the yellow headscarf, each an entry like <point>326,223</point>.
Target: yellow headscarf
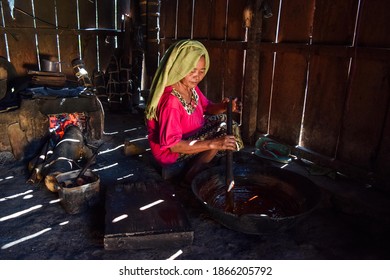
<point>178,61</point>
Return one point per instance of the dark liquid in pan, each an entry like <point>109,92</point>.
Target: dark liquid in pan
<point>250,198</point>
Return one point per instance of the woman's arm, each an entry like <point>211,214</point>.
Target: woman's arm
<point>219,108</point>
<point>216,108</point>
<point>227,142</point>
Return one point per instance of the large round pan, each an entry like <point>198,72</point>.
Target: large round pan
<point>288,196</point>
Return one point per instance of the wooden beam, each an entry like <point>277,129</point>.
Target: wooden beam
<point>326,50</point>
<point>235,44</point>
<point>252,73</point>
<point>53,31</point>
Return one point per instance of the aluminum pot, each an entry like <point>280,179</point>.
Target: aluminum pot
<point>49,66</point>
<point>266,199</point>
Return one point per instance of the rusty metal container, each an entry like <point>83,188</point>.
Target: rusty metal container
<point>78,198</point>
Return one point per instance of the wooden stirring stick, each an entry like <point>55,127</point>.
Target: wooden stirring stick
<point>229,161</point>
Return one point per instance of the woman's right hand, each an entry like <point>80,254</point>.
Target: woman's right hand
<point>227,142</point>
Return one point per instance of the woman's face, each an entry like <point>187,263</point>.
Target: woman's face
<point>196,75</point>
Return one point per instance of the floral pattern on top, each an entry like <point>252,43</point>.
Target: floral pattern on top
<point>189,107</point>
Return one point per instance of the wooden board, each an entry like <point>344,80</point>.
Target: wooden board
<point>202,18</point>
<point>296,21</point>
<point>235,29</point>
<point>47,43</point>
<point>365,115</point>
<point>69,45</point>
<point>233,73</point>
<point>334,21</point>
<point>250,96</point>
<point>382,164</point>
<point>211,84</point>
<point>218,19</point>
<point>288,97</point>
<point>265,87</point>
<point>269,25</point>
<point>374,28</point>
<point>326,95</point>
<point>21,42</point>
<point>168,19</point>
<point>184,19</point>
<point>129,226</point>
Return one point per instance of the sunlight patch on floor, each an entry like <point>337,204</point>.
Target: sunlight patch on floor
<point>15,195</point>
<point>105,167</point>
<point>175,255</point>
<point>111,150</point>
<point>20,213</point>
<point>7,178</point>
<point>119,218</point>
<point>28,237</point>
<point>125,177</point>
<point>151,204</point>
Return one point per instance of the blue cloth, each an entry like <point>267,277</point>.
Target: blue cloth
<point>61,93</point>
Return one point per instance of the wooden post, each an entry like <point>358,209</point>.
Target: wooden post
<point>252,68</point>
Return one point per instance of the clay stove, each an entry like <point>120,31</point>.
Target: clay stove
<point>27,127</point>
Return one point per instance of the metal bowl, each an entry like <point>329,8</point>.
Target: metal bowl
<point>266,199</point>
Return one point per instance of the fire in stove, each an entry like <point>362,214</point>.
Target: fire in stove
<point>59,122</point>
<point>65,149</point>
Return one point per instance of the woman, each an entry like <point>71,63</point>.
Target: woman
<point>182,123</point>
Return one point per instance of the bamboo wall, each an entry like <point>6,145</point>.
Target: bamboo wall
<point>316,72</point>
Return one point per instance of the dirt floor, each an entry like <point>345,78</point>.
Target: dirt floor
<point>351,222</point>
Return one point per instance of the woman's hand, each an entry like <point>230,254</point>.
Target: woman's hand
<point>220,108</point>
<point>236,104</point>
<point>227,142</point>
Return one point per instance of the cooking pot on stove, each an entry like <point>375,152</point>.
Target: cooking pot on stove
<point>49,66</point>
<point>266,199</point>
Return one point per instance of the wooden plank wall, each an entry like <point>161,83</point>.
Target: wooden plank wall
<point>365,122</point>
<point>54,32</point>
<point>215,23</point>
<point>323,72</point>
<point>330,66</point>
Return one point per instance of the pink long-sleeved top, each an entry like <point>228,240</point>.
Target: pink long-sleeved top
<point>174,124</point>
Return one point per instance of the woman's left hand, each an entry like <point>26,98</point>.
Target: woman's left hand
<point>236,104</point>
